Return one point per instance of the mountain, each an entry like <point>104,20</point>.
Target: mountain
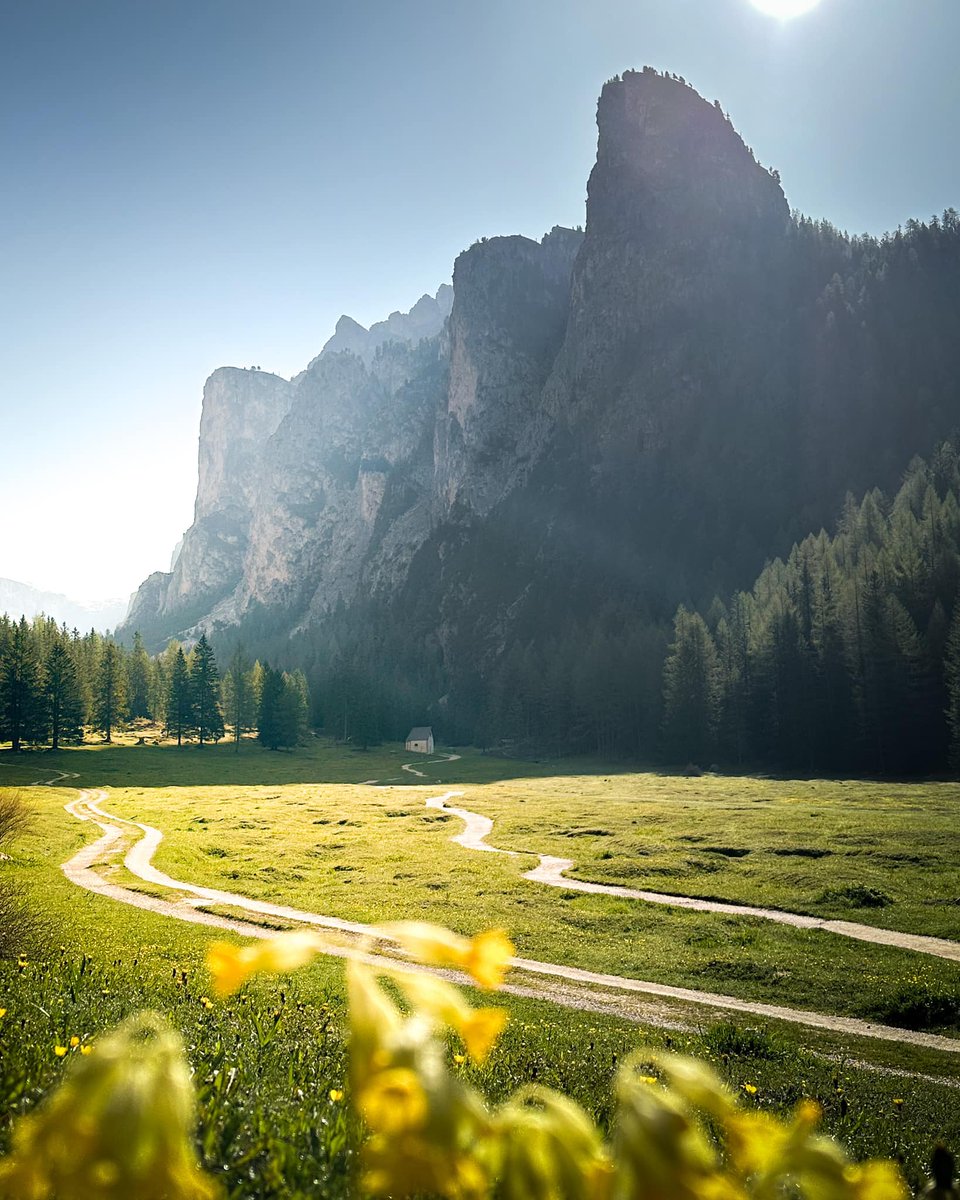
<point>19,599</point>
<point>604,423</point>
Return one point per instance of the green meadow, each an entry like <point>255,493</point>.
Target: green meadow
<point>302,829</point>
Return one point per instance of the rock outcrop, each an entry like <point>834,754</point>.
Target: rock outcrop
<point>607,420</point>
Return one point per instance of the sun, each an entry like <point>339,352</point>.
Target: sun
<point>784,9</point>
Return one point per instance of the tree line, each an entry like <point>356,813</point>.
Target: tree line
<point>843,657</point>
<point>57,684</point>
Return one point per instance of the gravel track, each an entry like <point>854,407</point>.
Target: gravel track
<point>634,999</point>
<point>551,871</point>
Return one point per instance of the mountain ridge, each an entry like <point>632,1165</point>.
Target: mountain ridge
<point>607,422</point>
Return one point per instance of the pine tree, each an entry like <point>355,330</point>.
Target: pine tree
<point>21,706</point>
<point>139,681</point>
<point>205,685</point>
<point>271,723</point>
<point>690,677</point>
<point>238,696</point>
<point>110,692</point>
<point>62,695</point>
<point>298,704</point>
<point>179,715</point>
<point>951,672</point>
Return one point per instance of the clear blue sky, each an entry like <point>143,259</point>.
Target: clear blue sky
<point>197,182</point>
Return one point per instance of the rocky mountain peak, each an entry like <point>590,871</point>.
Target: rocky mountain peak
<point>425,319</point>
<point>667,159</point>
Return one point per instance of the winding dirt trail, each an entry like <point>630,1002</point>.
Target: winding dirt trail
<point>634,999</point>
<point>551,871</point>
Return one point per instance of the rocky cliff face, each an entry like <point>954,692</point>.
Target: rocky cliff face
<point>610,420</point>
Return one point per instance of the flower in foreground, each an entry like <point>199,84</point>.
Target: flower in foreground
<point>120,1126</point>
<point>485,957</point>
<point>231,966</point>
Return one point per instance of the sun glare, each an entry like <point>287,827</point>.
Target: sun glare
<point>784,9</point>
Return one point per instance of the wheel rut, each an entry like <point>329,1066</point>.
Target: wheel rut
<point>641,1001</point>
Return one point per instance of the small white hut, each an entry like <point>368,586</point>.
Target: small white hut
<point>420,739</point>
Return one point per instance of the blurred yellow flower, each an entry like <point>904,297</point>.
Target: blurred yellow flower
<point>750,1089</point>
<point>875,1181</point>
<point>459,1059</point>
<point>393,1102</point>
<point>480,1032</point>
<point>74,1042</point>
<point>59,1051</point>
<point>231,966</point>
<point>86,1050</point>
<point>3,1013</point>
<point>485,957</point>
<point>121,1125</point>
<point>336,1095</point>
<point>206,1002</point>
<point>441,1001</point>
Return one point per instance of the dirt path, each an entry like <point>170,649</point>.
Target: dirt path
<point>551,871</point>
<point>636,1000</point>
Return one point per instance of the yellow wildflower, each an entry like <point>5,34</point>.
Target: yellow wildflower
<point>441,1001</point>
<point>550,1147</point>
<point>59,1051</point>
<point>393,1102</point>
<point>486,957</point>
<point>3,1013</point>
<point>489,957</point>
<point>875,1181</point>
<point>459,1059</point>
<point>697,1083</point>
<point>481,1030</point>
<point>231,966</point>
<point>206,1002</point>
<point>336,1095</point>
<point>750,1089</point>
<point>86,1050</point>
<point>74,1042</point>
<point>120,1125</point>
<point>898,1102</point>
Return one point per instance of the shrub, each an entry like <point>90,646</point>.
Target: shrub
<point>19,924</point>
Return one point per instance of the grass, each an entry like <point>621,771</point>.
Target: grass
<point>311,839</point>
<point>305,834</point>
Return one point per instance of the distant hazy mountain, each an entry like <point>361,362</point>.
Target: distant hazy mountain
<point>19,599</point>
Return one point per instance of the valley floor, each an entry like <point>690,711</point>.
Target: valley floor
<point>610,938</point>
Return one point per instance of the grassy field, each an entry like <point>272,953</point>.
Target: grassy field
<point>306,833</point>
<point>307,837</point>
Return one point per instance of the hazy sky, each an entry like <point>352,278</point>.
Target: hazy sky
<point>189,183</point>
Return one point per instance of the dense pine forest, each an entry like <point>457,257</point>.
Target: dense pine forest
<point>57,684</point>
<point>842,658</point>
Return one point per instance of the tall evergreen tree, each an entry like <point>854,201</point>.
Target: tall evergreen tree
<point>240,702</point>
<point>690,678</point>
<point>180,719</point>
<point>298,704</point>
<point>139,681</point>
<point>62,695</point>
<point>21,703</point>
<point>205,684</point>
<point>110,691</point>
<point>273,728</point>
<point>951,671</point>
